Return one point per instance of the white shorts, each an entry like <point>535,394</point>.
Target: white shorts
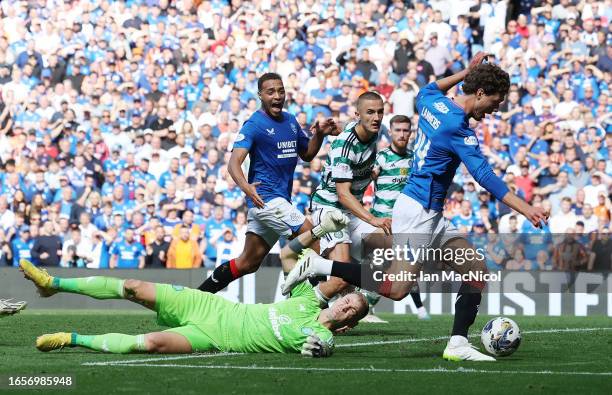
<point>278,218</point>
<point>343,236</point>
<point>360,230</point>
<point>419,227</point>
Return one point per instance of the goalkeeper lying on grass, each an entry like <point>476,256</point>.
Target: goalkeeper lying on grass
<point>201,321</point>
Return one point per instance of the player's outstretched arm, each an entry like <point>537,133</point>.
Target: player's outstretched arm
<point>445,84</point>
<point>350,202</point>
<point>319,131</point>
<point>235,170</point>
<point>536,215</point>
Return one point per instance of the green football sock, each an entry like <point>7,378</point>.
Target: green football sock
<point>97,287</point>
<point>115,343</point>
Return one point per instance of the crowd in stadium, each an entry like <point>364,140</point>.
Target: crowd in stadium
<point>117,118</point>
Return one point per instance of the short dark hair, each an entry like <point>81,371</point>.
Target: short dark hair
<point>369,95</point>
<point>400,119</point>
<point>267,77</point>
<point>488,77</point>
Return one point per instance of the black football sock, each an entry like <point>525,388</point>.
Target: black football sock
<point>349,272</point>
<point>220,278</point>
<point>466,308</point>
<point>361,276</point>
<point>416,298</point>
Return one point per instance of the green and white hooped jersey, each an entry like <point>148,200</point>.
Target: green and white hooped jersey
<point>394,170</point>
<point>349,160</point>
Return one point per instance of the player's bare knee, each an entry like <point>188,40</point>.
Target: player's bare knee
<point>153,343</point>
<point>131,288</point>
<point>397,294</point>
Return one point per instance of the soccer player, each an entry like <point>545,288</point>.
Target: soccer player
<point>8,307</point>
<point>346,175</point>
<point>444,140</point>
<point>390,174</point>
<point>273,139</point>
<point>201,321</point>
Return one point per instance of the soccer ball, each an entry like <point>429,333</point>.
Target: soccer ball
<point>501,336</point>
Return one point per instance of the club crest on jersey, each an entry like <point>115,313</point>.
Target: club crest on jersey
<point>470,140</point>
<point>404,171</point>
<point>440,107</point>
<point>270,132</point>
<point>294,128</point>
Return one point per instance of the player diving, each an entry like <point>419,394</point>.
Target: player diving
<point>201,321</point>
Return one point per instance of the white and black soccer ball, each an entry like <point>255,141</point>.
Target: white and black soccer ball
<point>501,336</point>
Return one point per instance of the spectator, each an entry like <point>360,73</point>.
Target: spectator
<point>564,219</point>
<point>227,246</point>
<point>6,254</point>
<point>22,245</point>
<point>157,250</point>
<point>184,252</point>
<point>600,257</point>
<point>127,253</point>
<point>47,248</point>
<point>76,251</point>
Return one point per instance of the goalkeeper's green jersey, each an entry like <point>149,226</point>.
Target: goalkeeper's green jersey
<point>278,327</point>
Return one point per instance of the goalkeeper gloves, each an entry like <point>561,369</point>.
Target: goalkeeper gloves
<point>316,348</point>
<point>332,221</point>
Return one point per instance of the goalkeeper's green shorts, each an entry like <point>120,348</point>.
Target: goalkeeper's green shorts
<point>199,316</point>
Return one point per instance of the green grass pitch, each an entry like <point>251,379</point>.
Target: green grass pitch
<point>558,355</point>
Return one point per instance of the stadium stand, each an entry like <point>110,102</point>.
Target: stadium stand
<point>120,115</point>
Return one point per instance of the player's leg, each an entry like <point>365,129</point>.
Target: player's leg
<point>118,343</point>
<point>416,298</point>
<point>98,287</point>
<point>364,238</point>
<point>466,305</point>
<point>264,227</point>
<point>255,250</point>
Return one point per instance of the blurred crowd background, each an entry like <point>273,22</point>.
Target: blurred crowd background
<point>117,117</point>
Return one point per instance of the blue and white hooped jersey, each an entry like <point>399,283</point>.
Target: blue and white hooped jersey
<point>273,148</point>
<point>444,140</point>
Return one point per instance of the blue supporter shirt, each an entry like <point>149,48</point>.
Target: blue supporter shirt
<point>128,254</point>
<point>444,140</point>
<point>21,250</point>
<point>273,149</point>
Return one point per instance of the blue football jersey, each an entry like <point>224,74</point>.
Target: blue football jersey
<point>273,148</point>
<point>444,140</point>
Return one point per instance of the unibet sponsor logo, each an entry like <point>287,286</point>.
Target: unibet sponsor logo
<point>286,144</point>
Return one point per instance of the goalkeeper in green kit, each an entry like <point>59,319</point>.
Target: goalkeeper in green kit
<point>201,321</point>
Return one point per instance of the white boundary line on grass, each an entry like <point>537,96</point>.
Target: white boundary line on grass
<point>136,361</point>
<point>144,361</point>
<point>424,339</point>
<point>373,370</point>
